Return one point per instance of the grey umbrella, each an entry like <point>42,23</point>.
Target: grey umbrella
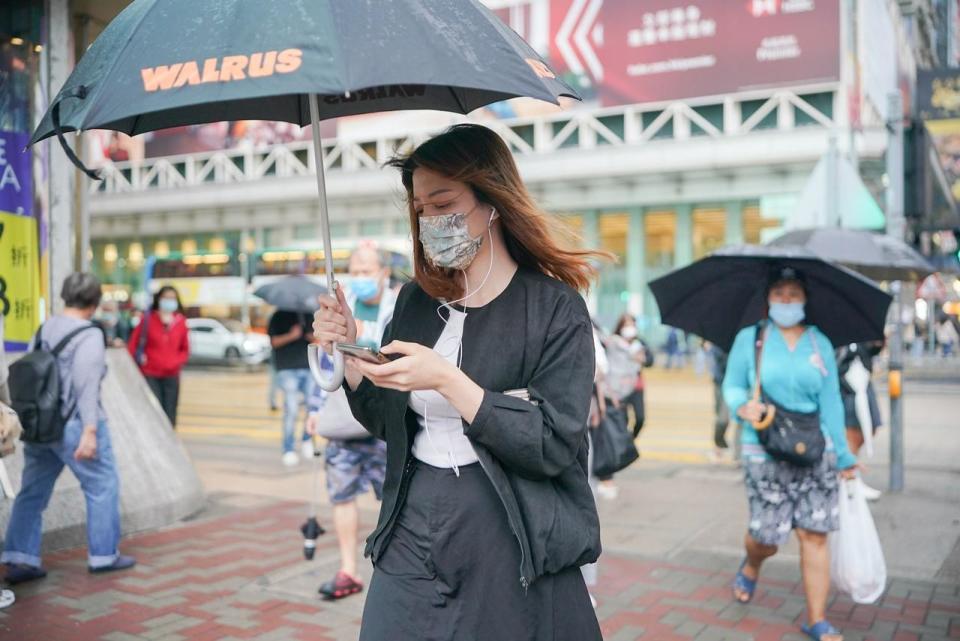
<point>292,294</point>
<point>876,256</point>
<point>164,63</point>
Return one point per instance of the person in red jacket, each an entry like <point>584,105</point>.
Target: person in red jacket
<point>164,349</point>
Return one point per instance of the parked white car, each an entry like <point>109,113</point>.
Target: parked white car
<point>225,341</point>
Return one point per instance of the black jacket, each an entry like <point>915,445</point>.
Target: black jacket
<point>535,335</point>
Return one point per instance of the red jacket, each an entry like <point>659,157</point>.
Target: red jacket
<point>167,348</point>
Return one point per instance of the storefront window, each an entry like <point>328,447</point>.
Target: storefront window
<point>761,224</point>
<point>709,231</point>
<point>340,229</point>
<point>571,232</point>
<point>371,228</point>
<point>305,232</point>
<point>660,233</point>
<point>613,234</point>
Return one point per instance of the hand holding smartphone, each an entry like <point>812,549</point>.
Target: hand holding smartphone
<point>368,354</point>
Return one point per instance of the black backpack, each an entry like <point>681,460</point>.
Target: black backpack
<point>35,391</point>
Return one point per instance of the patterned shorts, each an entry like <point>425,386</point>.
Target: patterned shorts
<point>353,467</point>
<point>783,497</point>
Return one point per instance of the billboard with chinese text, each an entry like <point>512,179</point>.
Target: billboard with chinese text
<point>625,51</point>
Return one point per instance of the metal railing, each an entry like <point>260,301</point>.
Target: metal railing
<point>582,129</point>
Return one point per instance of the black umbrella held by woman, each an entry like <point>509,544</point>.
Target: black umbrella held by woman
<point>718,295</point>
<point>168,63</point>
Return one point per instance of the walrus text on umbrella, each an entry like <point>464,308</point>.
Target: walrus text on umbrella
<point>226,69</point>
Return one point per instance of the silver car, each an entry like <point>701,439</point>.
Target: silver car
<point>225,341</point>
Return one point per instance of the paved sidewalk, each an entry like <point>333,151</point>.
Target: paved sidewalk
<point>672,540</point>
<point>239,573</point>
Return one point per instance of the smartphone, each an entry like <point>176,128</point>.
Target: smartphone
<point>369,354</point>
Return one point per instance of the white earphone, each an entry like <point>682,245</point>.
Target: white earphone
<point>459,358</point>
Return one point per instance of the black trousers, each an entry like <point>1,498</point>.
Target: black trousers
<point>167,391</point>
<point>721,418</point>
<point>635,400</point>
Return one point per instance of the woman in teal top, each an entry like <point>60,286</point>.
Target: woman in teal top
<point>799,372</point>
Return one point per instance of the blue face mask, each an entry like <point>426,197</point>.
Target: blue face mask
<point>168,305</point>
<point>364,287</point>
<point>787,314</point>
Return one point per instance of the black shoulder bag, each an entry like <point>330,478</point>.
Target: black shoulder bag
<point>794,437</point>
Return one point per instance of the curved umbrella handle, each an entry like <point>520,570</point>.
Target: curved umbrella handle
<point>328,381</point>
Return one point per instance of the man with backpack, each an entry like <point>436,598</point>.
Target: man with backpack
<point>55,389</point>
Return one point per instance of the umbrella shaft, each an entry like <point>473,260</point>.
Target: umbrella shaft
<point>321,189</point>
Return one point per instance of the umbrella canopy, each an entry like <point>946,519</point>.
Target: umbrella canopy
<point>166,63</point>
<point>718,295</point>
<point>874,255</point>
<point>292,294</point>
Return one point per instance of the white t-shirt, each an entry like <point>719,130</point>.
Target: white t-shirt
<point>440,441</point>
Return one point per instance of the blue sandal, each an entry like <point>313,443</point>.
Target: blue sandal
<point>744,584</point>
<point>818,630</point>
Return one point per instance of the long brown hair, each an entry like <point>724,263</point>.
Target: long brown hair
<point>477,156</point>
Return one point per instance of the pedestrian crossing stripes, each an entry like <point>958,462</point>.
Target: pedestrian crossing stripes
<point>220,406</point>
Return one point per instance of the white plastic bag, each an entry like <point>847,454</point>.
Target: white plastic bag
<point>857,566</point>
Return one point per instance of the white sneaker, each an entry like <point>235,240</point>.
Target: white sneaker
<point>290,459</point>
<point>7,598</point>
<point>869,493</point>
<point>307,448</point>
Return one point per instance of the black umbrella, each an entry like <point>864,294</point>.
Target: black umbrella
<point>292,294</point>
<point>165,63</point>
<point>874,255</point>
<point>718,295</point>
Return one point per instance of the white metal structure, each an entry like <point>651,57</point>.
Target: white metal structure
<point>709,149</point>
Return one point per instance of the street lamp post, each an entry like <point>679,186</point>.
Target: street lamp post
<point>896,227</point>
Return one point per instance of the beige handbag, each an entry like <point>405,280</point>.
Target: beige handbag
<point>10,430</point>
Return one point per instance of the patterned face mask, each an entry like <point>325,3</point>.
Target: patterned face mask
<point>447,242</point>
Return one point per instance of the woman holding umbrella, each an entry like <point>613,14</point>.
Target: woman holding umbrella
<point>798,370</point>
<point>486,514</point>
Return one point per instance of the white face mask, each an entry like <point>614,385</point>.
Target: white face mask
<point>446,239</point>
<point>629,332</point>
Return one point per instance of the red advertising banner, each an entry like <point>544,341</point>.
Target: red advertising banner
<point>630,51</point>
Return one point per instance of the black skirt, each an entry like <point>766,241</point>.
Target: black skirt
<point>451,572</point>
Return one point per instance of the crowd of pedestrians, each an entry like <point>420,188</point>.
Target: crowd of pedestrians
<point>489,411</point>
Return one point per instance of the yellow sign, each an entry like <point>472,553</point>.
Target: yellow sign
<point>19,278</point>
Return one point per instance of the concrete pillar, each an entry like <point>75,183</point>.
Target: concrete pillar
<point>61,171</point>
<point>734,222</point>
<point>158,484</point>
<point>591,239</point>
<point>636,262</point>
<point>683,241</point>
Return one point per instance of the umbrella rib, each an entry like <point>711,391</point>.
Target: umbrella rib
<point>119,56</point>
<point>463,108</point>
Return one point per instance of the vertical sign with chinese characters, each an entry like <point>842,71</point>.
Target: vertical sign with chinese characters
<point>19,246</point>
